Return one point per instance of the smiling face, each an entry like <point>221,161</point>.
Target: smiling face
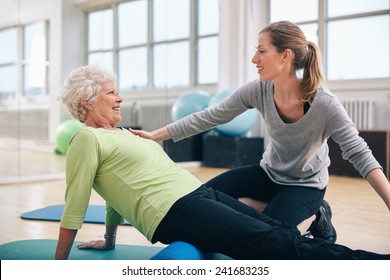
<point>269,62</point>
<point>105,111</point>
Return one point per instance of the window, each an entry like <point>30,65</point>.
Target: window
<point>171,64</point>
<point>100,38</point>
<point>349,7</point>
<point>208,28</point>
<point>132,41</point>
<point>29,66</point>
<point>34,59</point>
<point>355,34</point>
<point>171,55</point>
<point>8,59</point>
<point>311,31</point>
<point>295,11</point>
<point>360,55</point>
<point>171,19</point>
<point>132,65</point>
<point>157,44</point>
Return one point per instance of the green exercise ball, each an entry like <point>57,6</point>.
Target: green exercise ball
<point>65,132</point>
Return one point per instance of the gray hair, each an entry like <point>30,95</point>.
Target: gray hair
<point>83,83</point>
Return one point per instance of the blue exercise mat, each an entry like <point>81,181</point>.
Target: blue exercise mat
<point>96,214</point>
<point>44,249</point>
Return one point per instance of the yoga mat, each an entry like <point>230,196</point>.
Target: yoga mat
<point>96,214</point>
<point>44,249</point>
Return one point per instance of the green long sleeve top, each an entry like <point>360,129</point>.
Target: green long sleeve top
<point>135,177</point>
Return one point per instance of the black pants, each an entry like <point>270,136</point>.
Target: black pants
<point>289,204</point>
<point>215,222</point>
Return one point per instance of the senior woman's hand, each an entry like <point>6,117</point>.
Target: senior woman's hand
<point>97,245</point>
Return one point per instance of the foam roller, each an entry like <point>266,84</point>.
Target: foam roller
<point>179,251</point>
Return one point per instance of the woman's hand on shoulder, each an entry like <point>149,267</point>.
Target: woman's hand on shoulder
<point>160,134</point>
<point>142,133</point>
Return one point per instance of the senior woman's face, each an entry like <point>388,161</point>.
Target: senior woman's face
<point>107,106</point>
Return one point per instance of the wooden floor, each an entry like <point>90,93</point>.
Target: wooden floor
<point>359,215</point>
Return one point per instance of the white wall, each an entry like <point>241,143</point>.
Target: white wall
<point>240,22</point>
<point>66,52</point>
<point>14,12</point>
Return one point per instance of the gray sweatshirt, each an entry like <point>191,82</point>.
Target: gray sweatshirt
<point>297,153</point>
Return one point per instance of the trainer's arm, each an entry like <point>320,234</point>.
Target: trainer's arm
<point>65,242</point>
<point>378,181</point>
<point>160,134</point>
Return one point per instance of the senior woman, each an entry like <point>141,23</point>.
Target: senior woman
<point>141,184</point>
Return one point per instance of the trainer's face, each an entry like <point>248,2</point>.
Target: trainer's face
<point>267,59</point>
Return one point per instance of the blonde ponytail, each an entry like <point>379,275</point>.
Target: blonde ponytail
<point>313,75</point>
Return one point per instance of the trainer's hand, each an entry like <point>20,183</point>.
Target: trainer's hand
<point>96,245</point>
<point>142,133</point>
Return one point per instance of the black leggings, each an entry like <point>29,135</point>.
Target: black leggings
<point>215,222</point>
<point>289,204</point>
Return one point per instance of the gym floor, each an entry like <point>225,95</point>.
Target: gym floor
<point>361,218</point>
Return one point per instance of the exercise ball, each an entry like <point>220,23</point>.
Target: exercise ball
<point>241,124</point>
<point>65,132</point>
<point>189,103</point>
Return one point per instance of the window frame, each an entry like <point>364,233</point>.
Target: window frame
<point>12,64</point>
<point>20,99</point>
<point>322,21</point>
<point>150,92</point>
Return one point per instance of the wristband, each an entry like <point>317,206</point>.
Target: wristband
<point>109,236</point>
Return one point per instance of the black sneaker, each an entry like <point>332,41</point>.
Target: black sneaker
<point>322,226</point>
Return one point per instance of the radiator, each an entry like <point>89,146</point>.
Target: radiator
<point>361,111</point>
<point>152,117</point>
<point>147,116</point>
